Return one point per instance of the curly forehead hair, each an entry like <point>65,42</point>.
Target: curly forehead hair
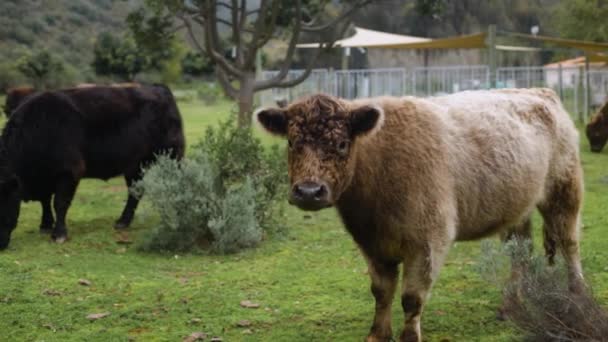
<point>317,105</point>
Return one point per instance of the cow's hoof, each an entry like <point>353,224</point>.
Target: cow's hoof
<point>374,338</point>
<point>409,336</point>
<point>60,239</point>
<point>120,225</point>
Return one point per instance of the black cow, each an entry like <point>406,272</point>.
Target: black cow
<point>56,138</point>
<point>16,96</point>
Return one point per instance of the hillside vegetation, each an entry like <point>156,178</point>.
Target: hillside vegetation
<point>68,28</point>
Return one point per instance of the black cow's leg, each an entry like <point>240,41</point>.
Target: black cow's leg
<point>47,221</point>
<point>127,214</point>
<point>64,193</point>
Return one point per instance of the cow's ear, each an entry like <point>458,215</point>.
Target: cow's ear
<point>273,120</point>
<point>366,120</point>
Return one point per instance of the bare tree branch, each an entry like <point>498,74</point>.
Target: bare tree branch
<point>275,82</point>
<point>338,19</point>
<point>224,81</point>
<point>236,32</point>
<point>270,28</point>
<point>252,47</point>
<point>223,4</point>
<point>284,69</point>
<point>212,41</point>
<point>243,21</point>
<point>188,26</point>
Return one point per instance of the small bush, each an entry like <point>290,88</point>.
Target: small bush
<point>540,304</point>
<point>218,199</point>
<point>238,154</point>
<point>209,93</point>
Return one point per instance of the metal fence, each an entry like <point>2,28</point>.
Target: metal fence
<point>578,97</point>
<point>317,82</point>
<point>352,84</point>
<point>449,79</point>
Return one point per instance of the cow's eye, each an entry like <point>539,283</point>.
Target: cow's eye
<point>289,143</point>
<point>343,147</point>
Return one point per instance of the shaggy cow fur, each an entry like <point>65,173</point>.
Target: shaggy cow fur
<point>409,176</point>
<point>56,138</point>
<point>597,129</point>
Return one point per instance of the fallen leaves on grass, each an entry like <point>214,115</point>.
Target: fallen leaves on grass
<point>51,292</point>
<point>96,316</point>
<point>196,336</point>
<point>84,282</point>
<point>249,304</point>
<point>244,323</point>
<point>123,238</point>
<point>50,327</point>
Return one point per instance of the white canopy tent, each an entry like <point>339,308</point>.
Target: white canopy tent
<point>370,38</point>
<point>365,38</point>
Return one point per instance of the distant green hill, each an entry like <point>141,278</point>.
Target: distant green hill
<point>67,28</point>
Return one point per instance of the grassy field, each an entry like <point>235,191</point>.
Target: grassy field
<point>310,282</point>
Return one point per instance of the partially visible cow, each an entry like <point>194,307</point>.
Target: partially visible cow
<point>15,96</point>
<point>57,138</point>
<point>409,176</point>
<point>597,129</point>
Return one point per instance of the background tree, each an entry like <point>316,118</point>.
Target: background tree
<point>196,64</point>
<point>248,30</point>
<point>40,68</point>
<point>118,57</point>
<point>583,19</point>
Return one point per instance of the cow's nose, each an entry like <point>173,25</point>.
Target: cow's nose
<point>310,195</point>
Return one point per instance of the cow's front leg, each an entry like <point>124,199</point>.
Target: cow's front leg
<point>66,187</point>
<point>46,221</point>
<point>127,214</point>
<point>420,269</point>
<point>384,283</point>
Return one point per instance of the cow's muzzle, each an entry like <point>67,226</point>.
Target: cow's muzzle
<point>309,195</point>
<point>596,149</point>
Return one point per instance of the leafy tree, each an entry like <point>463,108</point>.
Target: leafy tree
<point>583,19</point>
<point>40,68</point>
<point>249,28</point>
<point>117,57</point>
<point>197,64</point>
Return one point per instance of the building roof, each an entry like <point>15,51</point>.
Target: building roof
<point>576,62</point>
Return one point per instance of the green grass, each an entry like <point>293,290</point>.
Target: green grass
<point>310,282</point>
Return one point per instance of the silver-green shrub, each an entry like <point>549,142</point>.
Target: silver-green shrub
<point>219,198</point>
<point>540,304</point>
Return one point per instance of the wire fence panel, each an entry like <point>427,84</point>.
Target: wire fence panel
<point>520,77</point>
<point>353,84</point>
<point>598,86</point>
<point>317,82</point>
<point>579,98</point>
<point>433,81</point>
<point>568,83</point>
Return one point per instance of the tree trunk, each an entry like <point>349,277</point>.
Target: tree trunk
<point>246,99</point>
